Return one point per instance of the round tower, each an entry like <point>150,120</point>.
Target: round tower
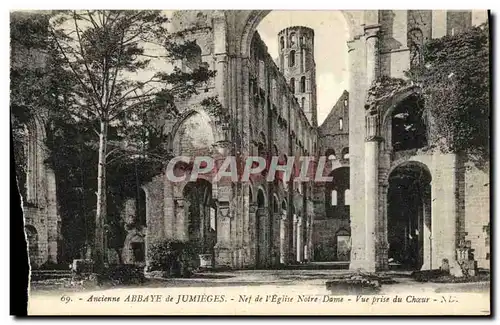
<point>296,62</point>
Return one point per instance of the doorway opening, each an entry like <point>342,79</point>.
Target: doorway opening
<point>409,215</point>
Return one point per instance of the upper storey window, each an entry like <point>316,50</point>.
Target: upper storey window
<point>302,84</point>
<point>291,59</point>
<point>282,42</point>
<point>293,39</point>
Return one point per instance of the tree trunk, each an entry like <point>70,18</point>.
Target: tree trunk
<point>99,249</point>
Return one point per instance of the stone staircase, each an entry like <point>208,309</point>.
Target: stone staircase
<point>40,275</point>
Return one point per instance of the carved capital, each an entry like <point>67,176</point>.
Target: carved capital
<point>372,31</point>
<point>179,203</point>
<point>372,126</point>
<point>223,147</point>
<point>224,211</point>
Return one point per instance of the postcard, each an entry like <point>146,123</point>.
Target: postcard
<point>253,162</point>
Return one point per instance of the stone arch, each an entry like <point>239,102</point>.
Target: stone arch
<point>353,23</point>
<point>411,162</point>
<point>276,204</point>
<point>203,116</point>
<point>261,198</point>
<point>409,214</point>
<point>330,152</point>
<point>387,108</point>
<point>135,248</point>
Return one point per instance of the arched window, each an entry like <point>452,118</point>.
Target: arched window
<point>330,154</point>
<point>303,102</point>
<point>291,59</point>
<point>193,61</point>
<point>293,39</point>
<point>341,124</point>
<point>302,40</point>
<point>347,197</point>
<point>345,153</point>
<point>302,84</point>
<point>292,84</point>
<point>282,42</point>
<point>333,199</point>
<point>409,124</point>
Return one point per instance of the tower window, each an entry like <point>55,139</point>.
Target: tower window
<point>341,124</point>
<point>345,153</point>
<point>291,59</point>
<point>292,85</point>
<point>345,102</point>
<point>333,201</point>
<point>293,39</point>
<point>302,40</point>
<point>303,84</point>
<point>282,42</point>
<point>303,103</point>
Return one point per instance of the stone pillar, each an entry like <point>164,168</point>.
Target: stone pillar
<point>223,251</point>
<point>371,202</point>
<point>300,241</point>
<point>283,239</point>
<point>372,57</point>
<point>250,250</point>
<point>426,231</point>
<point>181,214</point>
<point>444,212</point>
<point>169,215</point>
<point>294,234</point>
<point>366,231</point>
<point>382,249</point>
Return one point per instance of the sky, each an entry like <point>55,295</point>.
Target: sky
<point>330,49</point>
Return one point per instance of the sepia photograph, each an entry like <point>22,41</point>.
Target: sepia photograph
<point>252,162</point>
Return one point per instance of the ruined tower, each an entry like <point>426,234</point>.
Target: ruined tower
<point>296,62</point>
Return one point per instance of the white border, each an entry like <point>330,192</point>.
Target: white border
<point>190,4</point>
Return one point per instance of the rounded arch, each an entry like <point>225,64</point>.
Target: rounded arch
<point>215,132</point>
<point>387,109</point>
<point>342,232</point>
<point>276,204</point>
<point>330,152</point>
<point>284,205</point>
<point>251,191</point>
<point>353,23</point>
<point>416,167</point>
<point>261,197</point>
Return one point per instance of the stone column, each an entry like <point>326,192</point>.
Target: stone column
<point>181,214</point>
<point>250,249</point>
<point>294,234</point>
<point>426,231</point>
<point>367,233</point>
<point>372,57</point>
<point>283,239</point>
<point>444,212</point>
<point>300,242</point>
